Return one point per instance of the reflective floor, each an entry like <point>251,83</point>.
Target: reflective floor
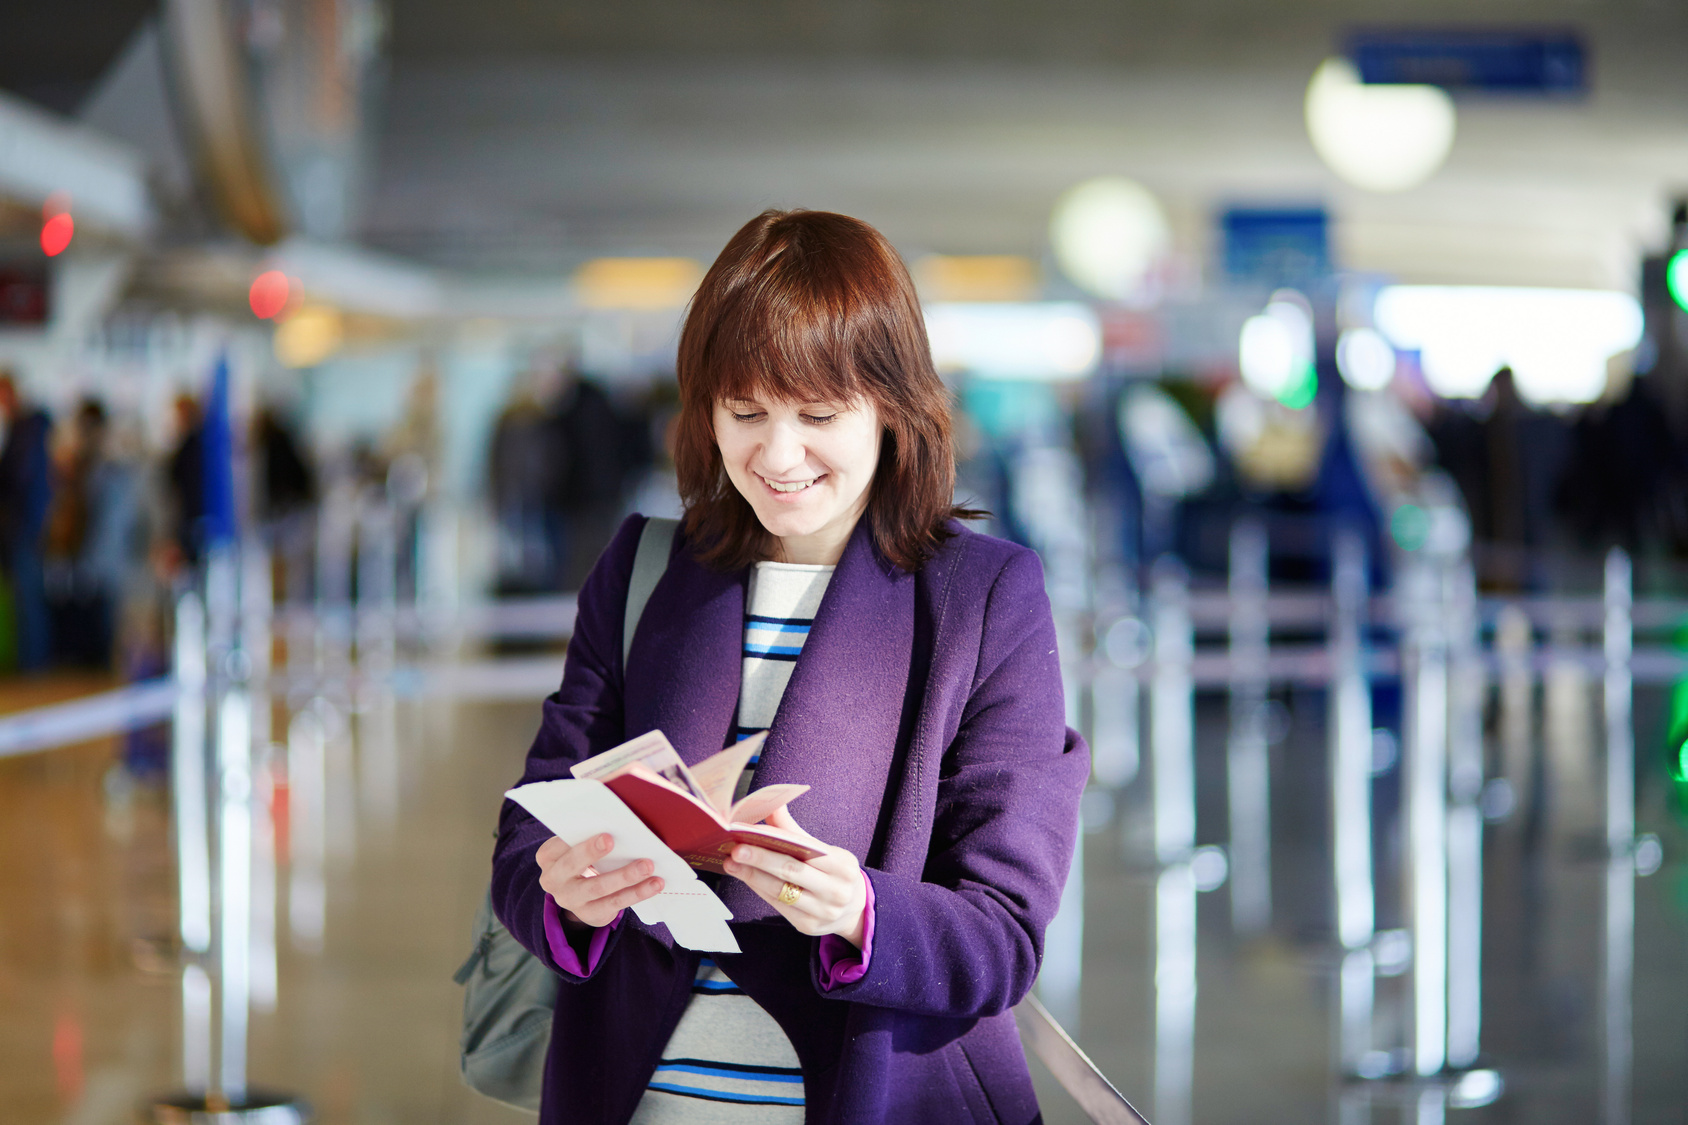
<point>364,1017</point>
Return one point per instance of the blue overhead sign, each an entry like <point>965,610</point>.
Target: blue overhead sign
<point>1522,61</point>
<point>1276,245</point>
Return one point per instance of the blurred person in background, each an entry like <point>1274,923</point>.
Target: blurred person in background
<point>1617,487</point>
<point>600,451</point>
<point>413,471</point>
<point>1507,458</point>
<point>820,588</point>
<point>285,495</point>
<point>96,540</point>
<point>26,490</point>
<point>185,475</point>
<point>525,465</point>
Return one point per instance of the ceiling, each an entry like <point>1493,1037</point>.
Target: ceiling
<point>523,136</point>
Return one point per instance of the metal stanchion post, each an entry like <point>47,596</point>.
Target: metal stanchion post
<point>1350,753</point>
<point>1249,775</point>
<point>209,651</point>
<point>257,613</point>
<point>1425,775</point>
<point>1172,737</point>
<point>1172,719</point>
<point>1619,942</point>
<point>1513,640</point>
<point>193,844</point>
<point>375,614</point>
<point>1467,691</point>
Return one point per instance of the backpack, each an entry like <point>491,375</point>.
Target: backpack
<point>509,995</point>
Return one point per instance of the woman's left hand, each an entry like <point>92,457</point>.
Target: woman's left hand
<point>833,898</point>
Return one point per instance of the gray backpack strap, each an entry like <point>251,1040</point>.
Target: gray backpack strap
<point>509,995</point>
<point>649,564</point>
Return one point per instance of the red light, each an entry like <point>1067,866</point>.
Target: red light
<point>269,294</point>
<point>56,233</point>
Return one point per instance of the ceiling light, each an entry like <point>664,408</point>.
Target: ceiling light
<point>1107,234</point>
<point>637,283</point>
<point>309,336</point>
<point>1556,341</point>
<point>1275,353</point>
<point>1365,359</point>
<point>1383,137</point>
<point>1044,341</point>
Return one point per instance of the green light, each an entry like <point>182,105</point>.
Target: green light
<point>1682,764</point>
<point>1676,278</point>
<point>1300,394</point>
<point>1410,527</point>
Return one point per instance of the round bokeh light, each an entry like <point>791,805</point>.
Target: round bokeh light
<point>1107,234</point>
<point>1676,278</point>
<point>56,234</point>
<point>1365,359</point>
<point>268,295</point>
<point>1381,138</point>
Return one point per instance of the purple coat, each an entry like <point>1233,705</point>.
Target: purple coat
<point>926,713</point>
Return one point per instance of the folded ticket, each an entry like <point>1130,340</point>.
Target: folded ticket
<point>577,809</point>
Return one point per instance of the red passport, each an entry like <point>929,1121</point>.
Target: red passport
<point>692,810</point>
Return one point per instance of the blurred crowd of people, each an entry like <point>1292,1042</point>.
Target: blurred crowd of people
<point>566,462</point>
<point>97,529</point>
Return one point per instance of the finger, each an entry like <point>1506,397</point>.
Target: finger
<point>811,904</point>
<point>604,885</point>
<point>628,896</point>
<point>567,862</point>
<point>780,866</point>
<point>782,818</point>
<point>823,890</point>
<point>603,911</point>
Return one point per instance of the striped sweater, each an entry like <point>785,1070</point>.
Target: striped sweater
<point>728,1062</point>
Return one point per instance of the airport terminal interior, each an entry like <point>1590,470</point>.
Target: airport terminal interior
<point>1332,357</point>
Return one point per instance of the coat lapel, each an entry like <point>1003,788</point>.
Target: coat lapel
<point>837,726</point>
<point>683,668</point>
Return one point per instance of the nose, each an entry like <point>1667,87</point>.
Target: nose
<point>784,450</point>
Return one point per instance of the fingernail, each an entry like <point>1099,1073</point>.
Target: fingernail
<point>604,843</point>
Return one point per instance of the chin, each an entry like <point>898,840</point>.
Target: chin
<point>782,526</point>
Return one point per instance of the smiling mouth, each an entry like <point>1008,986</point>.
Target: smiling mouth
<point>788,486</point>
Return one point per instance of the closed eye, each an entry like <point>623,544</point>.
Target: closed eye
<point>819,420</point>
<point>751,417</point>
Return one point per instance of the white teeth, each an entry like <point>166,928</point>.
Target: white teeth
<point>781,486</point>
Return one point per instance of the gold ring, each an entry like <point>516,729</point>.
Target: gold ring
<point>790,893</point>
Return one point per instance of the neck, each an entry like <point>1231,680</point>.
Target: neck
<point>823,548</point>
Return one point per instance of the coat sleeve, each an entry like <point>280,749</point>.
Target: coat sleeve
<point>582,718</point>
<point>965,939</point>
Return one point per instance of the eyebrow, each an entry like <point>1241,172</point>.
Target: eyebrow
<point>831,404</point>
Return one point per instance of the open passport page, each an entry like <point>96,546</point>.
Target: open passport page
<point>654,808</point>
<point>692,810</point>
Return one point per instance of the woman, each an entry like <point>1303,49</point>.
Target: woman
<point>820,587</point>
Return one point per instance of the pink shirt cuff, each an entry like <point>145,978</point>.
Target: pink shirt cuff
<point>563,952</point>
<point>841,962</point>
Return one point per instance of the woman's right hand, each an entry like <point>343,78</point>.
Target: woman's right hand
<point>584,895</point>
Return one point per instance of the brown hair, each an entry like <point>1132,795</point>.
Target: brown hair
<point>809,306</point>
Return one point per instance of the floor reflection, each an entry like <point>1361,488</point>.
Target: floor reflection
<point>370,830</point>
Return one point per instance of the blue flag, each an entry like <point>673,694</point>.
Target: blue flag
<point>220,521</point>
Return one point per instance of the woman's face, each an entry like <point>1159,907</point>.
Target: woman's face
<point>804,467</point>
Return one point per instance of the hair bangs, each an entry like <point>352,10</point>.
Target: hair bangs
<point>788,354</point>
